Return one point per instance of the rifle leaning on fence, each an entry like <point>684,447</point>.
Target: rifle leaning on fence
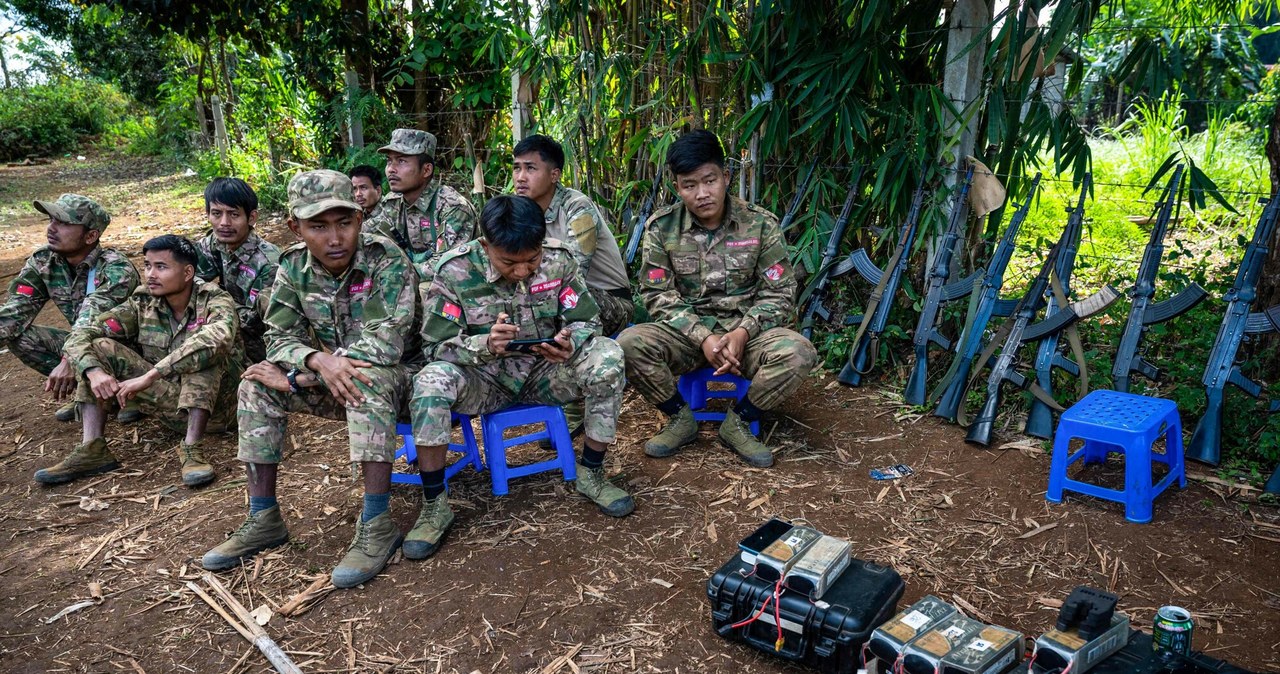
<point>815,292</point>
<point>637,227</point>
<point>1222,368</point>
<point>1014,333</point>
<point>984,302</point>
<point>1143,312</point>
<point>789,218</point>
<point>1048,353</point>
<point>866,342</point>
<point>939,291</point>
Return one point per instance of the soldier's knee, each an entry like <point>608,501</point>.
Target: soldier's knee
<point>255,396</point>
<point>604,359</point>
<point>635,341</point>
<point>438,380</point>
<point>103,344</point>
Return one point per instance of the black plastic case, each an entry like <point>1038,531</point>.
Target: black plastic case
<point>827,634</point>
<point>1137,657</point>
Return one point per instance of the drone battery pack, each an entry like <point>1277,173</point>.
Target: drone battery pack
<point>993,650</point>
<point>925,653</point>
<point>889,639</point>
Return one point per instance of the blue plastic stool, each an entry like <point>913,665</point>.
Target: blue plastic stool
<point>694,388</point>
<point>1110,421</point>
<point>493,427</point>
<point>469,449</point>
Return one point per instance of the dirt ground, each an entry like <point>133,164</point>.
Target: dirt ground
<point>539,580</point>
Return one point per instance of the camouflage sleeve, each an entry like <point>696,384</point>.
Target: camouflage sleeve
<point>458,225</point>
<point>116,281</point>
<point>260,289</point>
<point>217,337</point>
<point>388,314</point>
<point>27,295</point>
<point>288,335</point>
<point>206,266</point>
<point>659,293</point>
<point>578,311</point>
<point>585,226</point>
<point>776,291</point>
<point>119,323</point>
<point>444,323</point>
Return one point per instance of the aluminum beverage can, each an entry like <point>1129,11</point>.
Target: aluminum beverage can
<point>1171,630</point>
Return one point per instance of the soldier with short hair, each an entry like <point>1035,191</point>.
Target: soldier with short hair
<point>366,185</point>
<point>512,284</point>
<point>423,216</point>
<point>244,263</point>
<point>716,279</point>
<point>341,344</point>
<point>183,371</point>
<point>83,279</point>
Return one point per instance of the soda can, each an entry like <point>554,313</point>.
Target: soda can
<point>1171,630</point>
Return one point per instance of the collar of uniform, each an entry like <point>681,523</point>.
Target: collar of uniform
<point>730,220</point>
<point>244,252</point>
<point>491,274</point>
<point>424,200</point>
<point>557,202</point>
<point>310,266</point>
<point>162,306</point>
<point>91,259</point>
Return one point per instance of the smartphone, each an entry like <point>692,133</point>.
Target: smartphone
<point>526,345</point>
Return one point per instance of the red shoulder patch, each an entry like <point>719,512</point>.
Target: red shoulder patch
<point>657,274</point>
<point>568,297</point>
<point>774,273</point>
<point>24,289</point>
<point>114,326</point>
<point>451,311</point>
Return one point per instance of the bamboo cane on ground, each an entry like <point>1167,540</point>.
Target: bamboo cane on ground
<point>244,623</point>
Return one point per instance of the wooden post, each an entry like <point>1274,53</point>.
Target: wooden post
<point>355,125</point>
<point>219,129</point>
<point>962,84</point>
<point>517,110</point>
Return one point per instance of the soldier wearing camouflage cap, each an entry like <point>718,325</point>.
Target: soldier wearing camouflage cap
<point>512,284</point>
<point>716,279</point>
<point>424,217</point>
<point>341,344</point>
<point>173,346</point>
<point>82,278</point>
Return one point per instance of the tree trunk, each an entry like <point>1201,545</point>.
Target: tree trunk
<point>4,66</point>
<point>1269,282</point>
<point>421,102</point>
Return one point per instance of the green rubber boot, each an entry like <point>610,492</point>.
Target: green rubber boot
<point>262,531</point>
<point>85,459</point>
<point>371,548</point>
<point>427,535</point>
<point>680,430</point>
<point>736,435</point>
<point>611,499</point>
<point>195,469</point>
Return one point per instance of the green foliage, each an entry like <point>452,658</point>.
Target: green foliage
<point>56,118</point>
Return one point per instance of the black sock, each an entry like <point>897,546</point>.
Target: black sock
<point>746,411</point>
<point>673,405</point>
<point>592,458</point>
<point>432,483</point>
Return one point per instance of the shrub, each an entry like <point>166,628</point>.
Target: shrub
<point>54,118</point>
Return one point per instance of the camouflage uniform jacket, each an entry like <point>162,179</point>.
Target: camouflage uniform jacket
<point>440,219</point>
<point>247,273</point>
<point>368,313</point>
<point>700,281</point>
<point>47,276</point>
<point>207,330</point>
<point>375,212</point>
<point>574,219</point>
<point>467,294</point>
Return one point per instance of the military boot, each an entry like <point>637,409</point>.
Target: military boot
<point>680,430</point>
<point>88,458</point>
<point>736,435</point>
<point>374,543</point>
<point>130,414</point>
<point>67,412</point>
<point>261,531</point>
<point>195,470</point>
<point>428,533</point>
<point>612,500</point>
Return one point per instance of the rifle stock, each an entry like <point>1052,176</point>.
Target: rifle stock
<point>817,291</point>
<point>642,218</point>
<point>926,326</point>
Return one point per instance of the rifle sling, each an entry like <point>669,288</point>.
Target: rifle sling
<point>1073,337</point>
<point>975,297</point>
<point>873,303</point>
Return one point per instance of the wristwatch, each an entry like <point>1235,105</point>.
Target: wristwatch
<point>292,376</point>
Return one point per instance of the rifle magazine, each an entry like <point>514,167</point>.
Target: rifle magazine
<point>1174,306</point>
<point>1261,322</point>
<point>961,287</point>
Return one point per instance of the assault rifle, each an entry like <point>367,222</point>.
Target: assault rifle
<point>1048,355</point>
<point>789,218</point>
<point>862,354</point>
<point>1144,312</point>
<point>816,292</point>
<point>984,303</point>
<point>637,227</point>
<point>1018,330</point>
<point>939,291</point>
<point>1222,368</point>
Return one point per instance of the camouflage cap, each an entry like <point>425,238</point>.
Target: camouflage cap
<point>314,192</point>
<point>76,210</point>
<point>411,141</point>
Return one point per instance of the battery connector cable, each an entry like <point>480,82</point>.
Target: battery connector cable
<point>1035,649</point>
<point>773,598</point>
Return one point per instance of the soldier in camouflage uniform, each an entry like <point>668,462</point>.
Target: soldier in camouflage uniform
<point>341,344</point>
<point>366,185</point>
<point>244,264</point>
<point>82,278</point>
<point>184,370</point>
<point>424,217</point>
<point>717,282</point>
<point>513,284</point>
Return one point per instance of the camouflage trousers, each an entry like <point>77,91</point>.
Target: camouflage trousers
<point>169,398</point>
<point>595,372</point>
<point>615,311</point>
<point>776,361</point>
<point>39,347</point>
<point>371,426</point>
